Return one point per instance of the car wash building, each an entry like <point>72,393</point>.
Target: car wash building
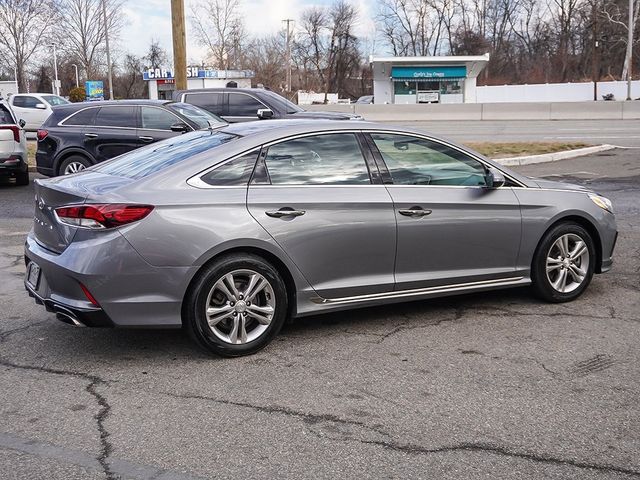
<point>409,80</point>
<point>162,84</point>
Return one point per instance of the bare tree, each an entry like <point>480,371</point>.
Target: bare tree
<point>24,29</point>
<point>218,26</point>
<point>310,46</point>
<point>266,57</point>
<point>83,30</point>
<point>156,55</point>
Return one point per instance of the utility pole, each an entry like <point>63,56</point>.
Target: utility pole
<point>289,23</point>
<point>179,44</point>
<point>596,52</point>
<point>106,39</point>
<point>630,50</point>
<point>56,87</point>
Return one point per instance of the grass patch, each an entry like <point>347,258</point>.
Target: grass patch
<point>31,152</point>
<point>519,149</point>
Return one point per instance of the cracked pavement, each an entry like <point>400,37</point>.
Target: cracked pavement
<point>491,385</point>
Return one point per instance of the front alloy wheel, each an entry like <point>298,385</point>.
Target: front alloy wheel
<point>563,267</point>
<point>236,305</point>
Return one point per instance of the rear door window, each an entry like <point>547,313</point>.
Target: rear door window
<point>116,116</point>
<point>241,105</point>
<point>210,101</point>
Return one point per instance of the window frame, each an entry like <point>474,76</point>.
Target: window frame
<point>23,97</point>
<point>197,182</point>
<point>136,116</point>
<point>228,105</point>
<point>388,180</point>
<point>222,104</point>
<point>62,123</point>
<point>178,118</point>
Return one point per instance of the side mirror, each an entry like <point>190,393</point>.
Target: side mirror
<point>265,113</point>
<point>22,123</point>
<point>494,178</point>
<point>41,106</point>
<point>179,127</point>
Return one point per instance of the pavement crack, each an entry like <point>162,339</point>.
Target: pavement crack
<point>7,333</point>
<point>104,411</point>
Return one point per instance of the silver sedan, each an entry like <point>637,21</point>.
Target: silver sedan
<point>229,232</point>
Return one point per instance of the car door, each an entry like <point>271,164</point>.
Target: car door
<point>114,132</point>
<point>155,124</point>
<point>242,107</point>
<point>25,107</point>
<point>314,195</point>
<point>452,229</point>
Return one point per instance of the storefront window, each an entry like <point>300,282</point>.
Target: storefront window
<point>427,86</point>
<point>404,88</point>
<point>449,87</point>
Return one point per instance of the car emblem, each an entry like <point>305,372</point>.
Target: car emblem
<point>40,204</point>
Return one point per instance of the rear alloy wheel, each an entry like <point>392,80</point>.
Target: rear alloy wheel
<point>74,164</point>
<point>236,306</point>
<point>564,263</point>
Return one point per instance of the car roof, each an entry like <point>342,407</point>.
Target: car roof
<point>102,103</point>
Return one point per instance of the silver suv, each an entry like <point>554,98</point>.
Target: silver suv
<point>13,147</point>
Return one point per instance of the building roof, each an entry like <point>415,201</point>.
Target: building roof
<point>474,63</point>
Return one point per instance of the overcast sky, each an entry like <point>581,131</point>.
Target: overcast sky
<point>151,19</point>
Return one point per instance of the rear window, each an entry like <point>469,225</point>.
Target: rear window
<point>161,155</point>
<point>5,115</point>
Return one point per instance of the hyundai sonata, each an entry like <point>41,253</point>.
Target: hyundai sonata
<point>229,232</point>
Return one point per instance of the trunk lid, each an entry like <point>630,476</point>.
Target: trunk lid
<point>56,192</point>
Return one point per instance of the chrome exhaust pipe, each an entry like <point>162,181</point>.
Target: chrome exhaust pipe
<point>67,317</point>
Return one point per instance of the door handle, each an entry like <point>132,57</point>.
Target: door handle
<point>415,212</point>
<point>146,139</point>
<point>285,212</point>
<point>91,135</point>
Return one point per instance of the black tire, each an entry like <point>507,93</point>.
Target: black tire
<point>22,179</point>
<point>195,317</point>
<point>542,284</point>
<point>73,159</point>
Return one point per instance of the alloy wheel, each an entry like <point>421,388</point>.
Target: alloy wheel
<point>74,167</point>
<point>567,263</point>
<point>240,306</point>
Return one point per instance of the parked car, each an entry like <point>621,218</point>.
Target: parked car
<point>248,104</point>
<point>34,108</point>
<point>365,99</point>
<point>13,147</point>
<point>228,232</point>
<point>79,135</point>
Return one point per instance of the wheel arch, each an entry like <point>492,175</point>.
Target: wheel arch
<point>266,255</point>
<point>585,223</point>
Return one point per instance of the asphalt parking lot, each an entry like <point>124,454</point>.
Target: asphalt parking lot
<point>493,385</point>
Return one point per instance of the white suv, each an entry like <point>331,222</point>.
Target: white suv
<point>13,147</point>
<point>34,108</point>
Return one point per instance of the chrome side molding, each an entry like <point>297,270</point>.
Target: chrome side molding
<point>503,282</point>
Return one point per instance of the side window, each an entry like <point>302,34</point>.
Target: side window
<point>83,117</point>
<point>25,101</point>
<point>243,105</point>
<point>116,117</point>
<point>158,119</point>
<point>332,159</point>
<point>416,161</point>
<point>211,102</point>
<point>235,172</point>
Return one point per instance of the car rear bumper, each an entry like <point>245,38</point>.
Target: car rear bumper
<point>128,291</point>
<point>11,165</point>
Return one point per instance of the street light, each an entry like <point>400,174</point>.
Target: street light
<point>75,67</point>
<point>55,70</point>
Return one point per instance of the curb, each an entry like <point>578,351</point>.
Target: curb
<point>552,157</point>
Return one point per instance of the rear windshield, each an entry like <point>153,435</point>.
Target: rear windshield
<point>161,155</point>
<point>5,115</point>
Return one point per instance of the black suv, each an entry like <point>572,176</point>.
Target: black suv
<point>79,135</point>
<point>247,104</point>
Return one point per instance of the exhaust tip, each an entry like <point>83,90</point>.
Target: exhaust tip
<point>68,318</point>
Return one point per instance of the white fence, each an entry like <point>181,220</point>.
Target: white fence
<point>554,92</point>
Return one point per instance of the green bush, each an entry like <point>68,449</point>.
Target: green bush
<point>77,94</point>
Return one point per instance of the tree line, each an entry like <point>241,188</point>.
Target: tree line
<point>529,41</point>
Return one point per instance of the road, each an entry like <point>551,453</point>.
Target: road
<point>624,133</point>
<point>493,385</point>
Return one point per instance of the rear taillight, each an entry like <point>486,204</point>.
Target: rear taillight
<point>42,134</point>
<point>14,128</point>
<point>99,216</point>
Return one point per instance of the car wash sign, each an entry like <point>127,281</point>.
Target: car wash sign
<point>195,72</point>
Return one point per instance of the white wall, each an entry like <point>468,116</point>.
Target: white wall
<point>308,98</point>
<point>7,88</point>
<point>554,92</point>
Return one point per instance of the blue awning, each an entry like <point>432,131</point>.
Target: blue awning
<point>429,73</point>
